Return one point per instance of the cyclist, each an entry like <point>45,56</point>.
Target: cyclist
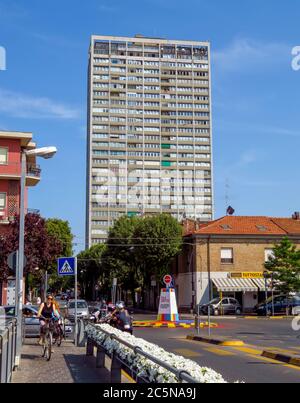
<point>47,310</point>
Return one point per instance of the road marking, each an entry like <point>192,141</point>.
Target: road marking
<point>218,351</point>
<point>187,352</point>
<point>248,350</point>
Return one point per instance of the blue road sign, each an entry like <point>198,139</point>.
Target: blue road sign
<point>66,266</point>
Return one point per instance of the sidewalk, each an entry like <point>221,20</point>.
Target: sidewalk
<point>68,364</point>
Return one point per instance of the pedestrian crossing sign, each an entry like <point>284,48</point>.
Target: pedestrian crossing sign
<point>66,266</point>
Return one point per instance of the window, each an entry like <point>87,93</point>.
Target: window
<point>3,156</point>
<point>2,201</point>
<point>268,254</point>
<point>227,255</point>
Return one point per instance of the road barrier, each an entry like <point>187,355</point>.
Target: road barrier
<point>7,350</point>
<point>117,364</point>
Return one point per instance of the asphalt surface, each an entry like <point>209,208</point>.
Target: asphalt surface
<point>235,363</point>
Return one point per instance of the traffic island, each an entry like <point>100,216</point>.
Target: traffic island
<point>287,359</point>
<point>186,324</point>
<point>220,341</point>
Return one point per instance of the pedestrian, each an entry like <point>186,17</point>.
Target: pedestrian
<point>38,301</point>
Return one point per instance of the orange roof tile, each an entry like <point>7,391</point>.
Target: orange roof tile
<point>251,225</point>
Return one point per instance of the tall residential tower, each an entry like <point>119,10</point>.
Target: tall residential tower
<point>149,131</point>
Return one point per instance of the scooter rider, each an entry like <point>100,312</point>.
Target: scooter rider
<point>121,318</point>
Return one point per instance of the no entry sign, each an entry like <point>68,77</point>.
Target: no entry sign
<point>167,280</point>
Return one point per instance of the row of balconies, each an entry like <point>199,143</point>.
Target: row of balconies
<point>12,170</point>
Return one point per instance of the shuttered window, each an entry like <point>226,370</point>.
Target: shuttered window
<point>2,201</point>
<point>3,155</point>
<point>226,255</point>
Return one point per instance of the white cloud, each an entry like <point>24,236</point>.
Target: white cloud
<point>247,55</point>
<point>26,106</point>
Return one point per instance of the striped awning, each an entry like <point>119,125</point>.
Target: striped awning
<point>260,283</point>
<point>234,284</point>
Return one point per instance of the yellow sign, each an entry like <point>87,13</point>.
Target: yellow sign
<point>247,275</point>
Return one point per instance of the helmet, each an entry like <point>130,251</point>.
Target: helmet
<point>120,305</point>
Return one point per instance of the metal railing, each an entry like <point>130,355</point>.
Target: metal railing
<point>7,350</point>
<point>117,364</point>
<point>14,168</point>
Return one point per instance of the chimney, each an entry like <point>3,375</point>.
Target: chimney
<point>296,215</point>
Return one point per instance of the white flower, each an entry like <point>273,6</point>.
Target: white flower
<point>144,366</point>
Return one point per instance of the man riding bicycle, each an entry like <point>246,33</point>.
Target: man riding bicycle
<point>47,311</point>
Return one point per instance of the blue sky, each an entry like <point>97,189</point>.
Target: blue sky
<point>255,93</point>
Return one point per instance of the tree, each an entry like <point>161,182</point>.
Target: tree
<point>285,266</point>
<point>60,230</point>
<point>41,249</point>
<point>158,240</point>
<point>90,270</point>
<point>120,258</point>
<point>140,247</point>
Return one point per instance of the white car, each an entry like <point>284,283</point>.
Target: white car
<point>82,309</point>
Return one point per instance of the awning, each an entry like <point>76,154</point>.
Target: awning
<point>234,284</point>
<point>260,283</point>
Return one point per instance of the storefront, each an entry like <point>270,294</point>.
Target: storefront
<point>247,288</point>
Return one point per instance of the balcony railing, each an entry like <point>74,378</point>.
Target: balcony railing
<point>14,169</point>
<point>34,170</point>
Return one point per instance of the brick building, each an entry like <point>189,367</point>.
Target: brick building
<point>11,146</point>
<point>227,256</point>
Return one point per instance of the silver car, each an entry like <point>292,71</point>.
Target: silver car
<point>31,321</point>
<point>82,309</point>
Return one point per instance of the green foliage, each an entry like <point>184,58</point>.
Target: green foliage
<point>141,247</point>
<point>60,230</point>
<point>159,240</point>
<point>90,269</point>
<point>285,266</point>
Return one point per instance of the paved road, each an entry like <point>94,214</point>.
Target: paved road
<point>235,363</point>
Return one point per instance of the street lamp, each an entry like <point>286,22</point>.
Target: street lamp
<point>45,152</point>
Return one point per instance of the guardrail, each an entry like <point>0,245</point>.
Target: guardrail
<point>7,350</point>
<point>117,364</point>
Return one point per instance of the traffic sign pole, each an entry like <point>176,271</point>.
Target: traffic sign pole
<point>76,301</point>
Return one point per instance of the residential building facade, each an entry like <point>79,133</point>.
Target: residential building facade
<point>11,146</point>
<point>149,147</point>
<point>226,257</point>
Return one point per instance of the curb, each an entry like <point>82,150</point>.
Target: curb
<point>219,342</point>
<point>287,359</point>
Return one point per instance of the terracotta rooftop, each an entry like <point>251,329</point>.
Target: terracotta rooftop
<point>249,225</point>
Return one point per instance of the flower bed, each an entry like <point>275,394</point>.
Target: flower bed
<point>144,367</point>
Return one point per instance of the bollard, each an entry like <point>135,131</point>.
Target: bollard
<point>100,357</point>
<point>115,369</point>
<point>89,347</point>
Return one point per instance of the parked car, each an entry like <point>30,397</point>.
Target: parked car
<point>225,306</point>
<point>281,303</point>
<point>32,322</point>
<point>82,309</point>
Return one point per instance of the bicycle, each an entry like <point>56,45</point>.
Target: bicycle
<point>47,336</point>
<point>58,332</point>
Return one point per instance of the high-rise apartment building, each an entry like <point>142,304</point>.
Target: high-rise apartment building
<point>149,130</point>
